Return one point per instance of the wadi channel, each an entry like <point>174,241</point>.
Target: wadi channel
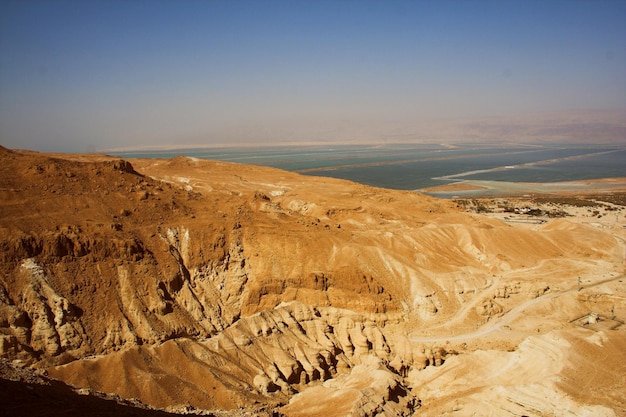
<point>188,286</point>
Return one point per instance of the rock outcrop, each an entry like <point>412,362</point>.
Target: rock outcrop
<point>188,283</point>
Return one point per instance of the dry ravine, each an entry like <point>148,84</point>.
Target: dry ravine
<point>193,286</point>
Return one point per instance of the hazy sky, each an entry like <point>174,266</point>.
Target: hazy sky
<point>84,75</point>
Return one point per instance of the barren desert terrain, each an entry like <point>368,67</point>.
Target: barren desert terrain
<point>189,286</point>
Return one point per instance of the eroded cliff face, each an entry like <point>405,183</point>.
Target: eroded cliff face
<point>188,283</point>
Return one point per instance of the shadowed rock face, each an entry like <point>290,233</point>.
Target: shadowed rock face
<point>25,392</point>
<point>221,286</point>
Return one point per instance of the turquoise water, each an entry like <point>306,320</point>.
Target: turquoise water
<point>410,167</point>
<point>607,165</point>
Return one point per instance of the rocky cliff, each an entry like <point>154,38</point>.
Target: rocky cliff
<point>192,284</point>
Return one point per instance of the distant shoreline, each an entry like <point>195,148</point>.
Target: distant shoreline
<point>477,188</point>
<point>254,145</point>
<point>436,169</point>
<point>457,186</point>
<point>356,142</point>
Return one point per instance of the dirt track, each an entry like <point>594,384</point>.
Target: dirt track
<point>508,317</point>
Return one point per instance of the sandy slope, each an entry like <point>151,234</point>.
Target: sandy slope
<point>199,284</point>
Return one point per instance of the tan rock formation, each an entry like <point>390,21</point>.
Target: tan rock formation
<point>186,283</point>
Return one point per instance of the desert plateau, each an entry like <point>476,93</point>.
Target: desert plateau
<point>190,286</point>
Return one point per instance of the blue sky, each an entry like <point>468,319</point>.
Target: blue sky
<point>85,75</point>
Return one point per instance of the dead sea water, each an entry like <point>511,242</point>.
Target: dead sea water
<point>417,166</point>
